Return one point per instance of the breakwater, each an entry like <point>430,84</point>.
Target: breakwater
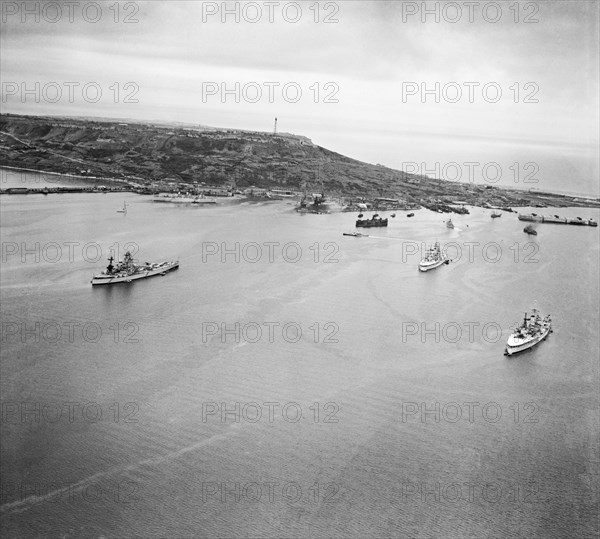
<point>53,190</point>
<point>556,219</point>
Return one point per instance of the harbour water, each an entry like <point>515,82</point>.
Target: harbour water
<point>361,397</point>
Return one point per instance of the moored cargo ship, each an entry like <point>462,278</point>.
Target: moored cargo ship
<point>375,221</point>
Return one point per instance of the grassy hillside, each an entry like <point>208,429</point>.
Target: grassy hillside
<point>149,153</point>
<point>155,155</point>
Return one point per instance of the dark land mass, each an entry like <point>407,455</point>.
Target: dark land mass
<point>155,157</point>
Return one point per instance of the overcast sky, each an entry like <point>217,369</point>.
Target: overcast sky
<point>360,61</point>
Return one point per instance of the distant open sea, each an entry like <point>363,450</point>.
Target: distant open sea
<point>566,169</point>
<point>287,381</point>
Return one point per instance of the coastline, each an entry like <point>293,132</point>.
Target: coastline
<point>429,198</point>
<point>93,179</point>
<point>149,159</point>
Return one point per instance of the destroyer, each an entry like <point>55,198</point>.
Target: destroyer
<point>532,330</point>
<point>126,271</point>
<point>434,257</point>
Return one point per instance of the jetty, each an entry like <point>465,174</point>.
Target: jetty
<point>53,190</point>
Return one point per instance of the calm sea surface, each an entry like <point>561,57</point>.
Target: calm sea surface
<point>361,397</point>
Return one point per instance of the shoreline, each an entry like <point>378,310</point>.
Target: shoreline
<point>93,178</point>
<point>86,183</point>
<point>286,205</point>
<point>150,158</point>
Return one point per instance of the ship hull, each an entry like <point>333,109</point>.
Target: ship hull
<point>144,274</point>
<point>555,220</point>
<point>372,224</point>
<point>174,200</point>
<point>530,217</point>
<point>431,265</point>
<point>517,347</point>
<point>183,200</point>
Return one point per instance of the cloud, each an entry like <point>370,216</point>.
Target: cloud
<point>373,49</point>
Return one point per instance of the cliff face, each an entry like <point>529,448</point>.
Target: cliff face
<point>149,153</point>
